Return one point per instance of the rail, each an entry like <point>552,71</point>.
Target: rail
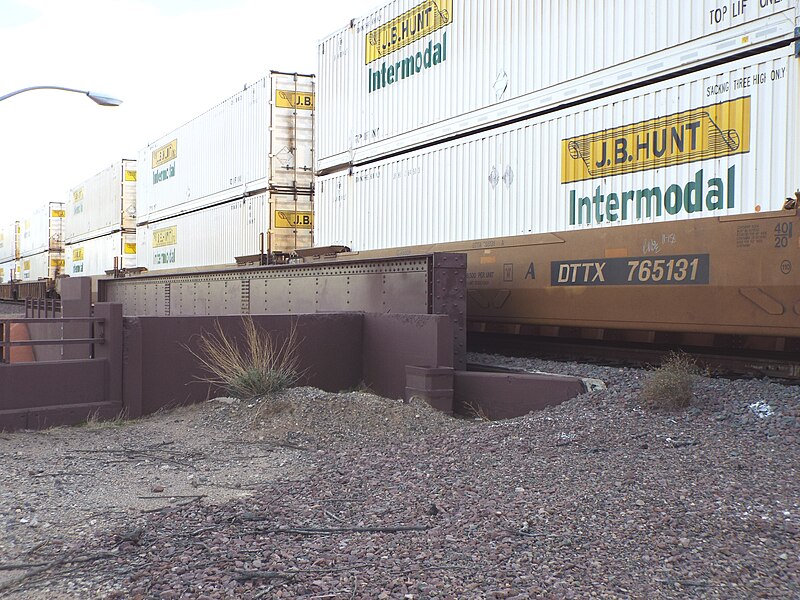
<point>96,334</point>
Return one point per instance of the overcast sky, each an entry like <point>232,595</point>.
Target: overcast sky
<point>168,60</point>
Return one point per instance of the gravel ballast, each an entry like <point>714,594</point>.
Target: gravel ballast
<point>320,495</point>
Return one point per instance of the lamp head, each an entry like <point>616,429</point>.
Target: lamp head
<point>103,100</point>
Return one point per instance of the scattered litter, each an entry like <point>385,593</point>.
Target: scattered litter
<point>761,409</point>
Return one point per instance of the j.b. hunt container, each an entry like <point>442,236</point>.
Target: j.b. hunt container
<point>261,138</point>
<point>101,255</point>
<point>103,204</point>
<point>41,243</point>
<point>8,271</point>
<point>9,241</point>
<point>415,72</point>
<point>260,224</point>
<point>721,142</point>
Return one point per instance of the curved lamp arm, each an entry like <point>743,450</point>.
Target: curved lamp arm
<point>100,99</point>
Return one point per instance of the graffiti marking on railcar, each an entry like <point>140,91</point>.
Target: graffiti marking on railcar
<point>667,270</point>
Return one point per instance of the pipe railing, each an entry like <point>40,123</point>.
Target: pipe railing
<point>96,334</point>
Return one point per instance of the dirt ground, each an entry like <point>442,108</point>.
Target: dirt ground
<point>348,495</point>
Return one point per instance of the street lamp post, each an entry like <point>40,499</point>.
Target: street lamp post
<point>100,99</point>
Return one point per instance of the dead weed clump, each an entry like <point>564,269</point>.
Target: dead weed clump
<point>671,386</point>
<point>255,367</point>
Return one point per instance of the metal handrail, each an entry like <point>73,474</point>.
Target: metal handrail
<point>6,343</point>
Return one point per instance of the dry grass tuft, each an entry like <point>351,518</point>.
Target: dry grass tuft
<point>254,368</point>
<point>671,386</point>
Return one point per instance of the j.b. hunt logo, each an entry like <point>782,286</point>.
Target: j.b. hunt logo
<point>714,131</point>
<point>415,24</point>
<point>161,156</point>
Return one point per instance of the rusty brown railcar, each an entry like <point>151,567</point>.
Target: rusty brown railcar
<point>730,281</point>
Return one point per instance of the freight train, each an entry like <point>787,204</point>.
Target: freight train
<point>603,185</point>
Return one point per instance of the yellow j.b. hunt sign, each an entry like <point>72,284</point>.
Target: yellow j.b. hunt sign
<point>709,132</point>
<point>412,25</point>
<point>77,254</point>
<point>165,153</point>
<point>168,236</point>
<point>290,219</point>
<point>296,100</point>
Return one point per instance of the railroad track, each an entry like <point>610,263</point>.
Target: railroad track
<point>782,366</point>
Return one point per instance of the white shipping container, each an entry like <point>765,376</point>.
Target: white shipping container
<point>98,255</point>
<point>42,265</point>
<point>716,143</point>
<point>218,234</point>
<point>8,241</point>
<point>7,270</point>
<point>261,138</point>
<point>102,204</point>
<point>416,71</point>
<point>42,230</point>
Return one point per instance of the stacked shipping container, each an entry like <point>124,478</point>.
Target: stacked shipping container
<point>9,251</point>
<point>100,224</point>
<point>41,243</point>
<point>235,181</point>
<point>447,120</point>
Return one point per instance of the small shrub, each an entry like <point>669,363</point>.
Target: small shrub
<point>671,386</point>
<point>254,368</point>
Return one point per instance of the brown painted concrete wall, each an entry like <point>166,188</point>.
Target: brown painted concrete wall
<point>339,351</point>
<point>159,370</point>
<point>36,395</point>
<point>393,341</point>
<point>146,363</point>
<point>508,395</point>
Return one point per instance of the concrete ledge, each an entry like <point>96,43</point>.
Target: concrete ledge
<point>42,417</point>
<point>505,396</point>
<point>434,385</point>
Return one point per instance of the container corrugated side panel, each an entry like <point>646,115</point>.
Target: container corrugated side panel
<point>197,164</point>
<point>334,120</point>
<point>212,236</point>
<point>7,270</point>
<point>291,127</point>
<point>43,229</point>
<point>529,177</point>
<point>42,265</point>
<point>103,203</point>
<point>496,54</point>
<point>96,256</point>
<point>8,241</point>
